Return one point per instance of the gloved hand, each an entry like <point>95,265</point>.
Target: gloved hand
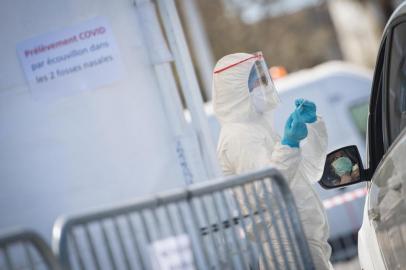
<point>306,110</point>
<point>295,131</point>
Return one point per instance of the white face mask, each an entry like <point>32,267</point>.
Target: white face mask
<point>259,101</point>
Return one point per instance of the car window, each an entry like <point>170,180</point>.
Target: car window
<point>376,132</point>
<point>396,94</point>
<point>359,115</point>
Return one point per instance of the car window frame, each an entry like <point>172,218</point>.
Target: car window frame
<point>375,137</point>
<point>386,80</point>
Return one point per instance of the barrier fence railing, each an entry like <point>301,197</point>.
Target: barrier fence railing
<point>24,249</point>
<point>243,222</point>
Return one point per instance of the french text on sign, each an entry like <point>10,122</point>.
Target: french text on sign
<point>71,60</point>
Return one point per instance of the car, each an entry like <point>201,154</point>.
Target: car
<point>382,237</point>
<point>335,87</point>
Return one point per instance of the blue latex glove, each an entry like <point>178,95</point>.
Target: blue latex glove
<point>306,110</point>
<point>295,131</point>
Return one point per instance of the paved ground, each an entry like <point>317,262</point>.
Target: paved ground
<point>350,265</point>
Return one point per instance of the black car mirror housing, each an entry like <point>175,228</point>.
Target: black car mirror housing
<point>343,167</point>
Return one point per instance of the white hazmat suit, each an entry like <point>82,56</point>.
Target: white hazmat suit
<point>248,142</point>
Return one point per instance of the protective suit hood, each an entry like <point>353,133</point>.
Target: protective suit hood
<point>231,100</point>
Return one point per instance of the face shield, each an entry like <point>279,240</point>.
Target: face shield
<point>262,91</point>
<point>261,87</point>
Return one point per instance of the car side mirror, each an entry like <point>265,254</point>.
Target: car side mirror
<point>343,167</point>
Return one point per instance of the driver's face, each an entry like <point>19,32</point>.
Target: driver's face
<point>337,155</point>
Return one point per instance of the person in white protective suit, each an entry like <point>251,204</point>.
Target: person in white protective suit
<point>243,101</point>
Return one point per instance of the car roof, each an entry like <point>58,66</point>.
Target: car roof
<point>400,10</point>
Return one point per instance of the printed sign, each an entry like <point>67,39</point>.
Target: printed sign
<point>173,253</point>
<point>79,58</point>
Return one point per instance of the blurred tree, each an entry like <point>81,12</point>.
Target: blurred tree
<point>252,11</point>
<point>296,41</point>
<point>385,8</point>
<point>357,30</point>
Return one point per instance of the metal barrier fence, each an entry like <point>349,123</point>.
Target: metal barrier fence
<point>243,222</point>
<point>24,249</point>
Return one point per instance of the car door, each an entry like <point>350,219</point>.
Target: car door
<point>387,196</point>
